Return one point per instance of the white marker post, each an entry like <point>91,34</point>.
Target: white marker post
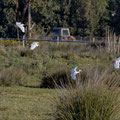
<point>57,40</point>
<point>24,40</point>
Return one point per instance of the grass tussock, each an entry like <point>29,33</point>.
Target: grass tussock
<point>90,100</point>
<point>93,96</point>
<point>12,76</point>
<point>99,75</point>
<point>59,78</point>
<point>44,61</point>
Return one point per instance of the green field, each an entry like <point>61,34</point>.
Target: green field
<point>19,103</point>
<point>22,70</point>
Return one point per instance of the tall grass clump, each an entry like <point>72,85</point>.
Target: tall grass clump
<point>97,98</point>
<point>58,78</point>
<point>12,76</point>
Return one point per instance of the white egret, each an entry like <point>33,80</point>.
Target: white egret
<point>74,72</point>
<point>117,63</point>
<point>21,26</point>
<point>34,45</point>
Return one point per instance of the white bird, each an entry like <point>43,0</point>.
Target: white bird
<point>34,45</point>
<point>117,63</point>
<point>21,26</point>
<point>74,72</point>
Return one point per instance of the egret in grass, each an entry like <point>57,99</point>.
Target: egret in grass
<point>74,72</point>
<point>34,45</point>
<point>117,63</point>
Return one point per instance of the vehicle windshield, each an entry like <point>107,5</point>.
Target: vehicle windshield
<point>65,32</point>
<point>56,32</point>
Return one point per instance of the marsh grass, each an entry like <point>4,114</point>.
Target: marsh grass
<point>46,59</point>
<point>95,97</point>
<point>59,78</point>
<point>21,103</point>
<point>44,65</point>
<point>12,76</point>
<point>99,75</point>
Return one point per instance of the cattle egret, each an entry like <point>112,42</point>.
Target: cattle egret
<point>74,72</point>
<point>21,26</point>
<point>34,45</point>
<point>117,63</point>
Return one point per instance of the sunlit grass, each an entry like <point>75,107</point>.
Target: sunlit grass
<point>95,97</point>
<point>30,102</point>
<point>19,103</point>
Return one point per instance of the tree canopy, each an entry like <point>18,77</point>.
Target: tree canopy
<point>83,17</point>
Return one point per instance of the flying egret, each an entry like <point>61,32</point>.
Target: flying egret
<point>21,26</point>
<point>74,72</point>
<point>117,63</point>
<point>34,45</point>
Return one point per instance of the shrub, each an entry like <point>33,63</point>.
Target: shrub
<point>99,74</point>
<point>22,52</point>
<point>12,76</point>
<point>58,78</point>
<point>26,53</point>
<point>94,100</point>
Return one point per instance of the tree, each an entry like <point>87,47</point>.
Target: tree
<point>114,15</point>
<point>82,16</point>
<point>43,14</point>
<point>7,20</point>
<point>95,14</point>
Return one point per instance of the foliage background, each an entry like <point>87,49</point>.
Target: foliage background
<point>83,17</point>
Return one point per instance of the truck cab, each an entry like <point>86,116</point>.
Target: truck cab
<point>62,33</point>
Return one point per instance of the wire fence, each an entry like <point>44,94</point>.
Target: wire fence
<point>78,39</point>
<point>112,43</point>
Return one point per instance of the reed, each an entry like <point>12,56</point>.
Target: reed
<point>95,99</point>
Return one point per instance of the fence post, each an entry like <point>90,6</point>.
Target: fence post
<point>118,51</point>
<point>57,40</point>
<point>23,40</point>
<point>93,40</point>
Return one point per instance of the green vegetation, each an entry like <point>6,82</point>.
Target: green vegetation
<point>92,100</point>
<point>23,72</point>
<point>46,60</point>
<point>18,103</point>
<point>83,17</point>
<point>27,76</point>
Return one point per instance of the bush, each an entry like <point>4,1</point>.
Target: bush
<point>12,76</point>
<point>94,100</point>
<point>98,75</point>
<point>59,78</point>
